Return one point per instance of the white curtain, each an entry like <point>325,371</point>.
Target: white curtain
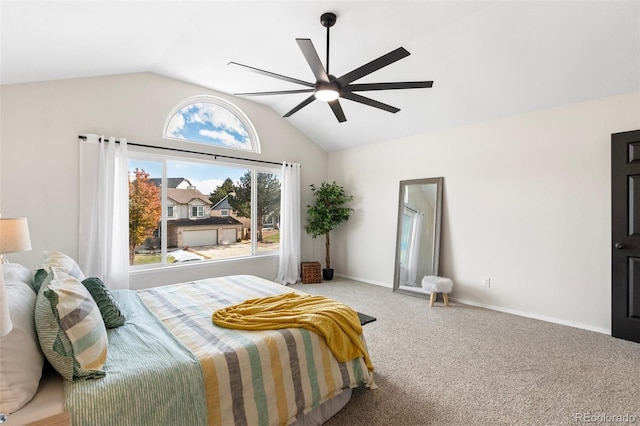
<point>289,267</point>
<point>104,212</point>
<point>414,247</point>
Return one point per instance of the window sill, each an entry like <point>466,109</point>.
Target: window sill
<point>147,269</point>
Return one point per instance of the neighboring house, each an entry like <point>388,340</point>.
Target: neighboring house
<point>187,204</point>
<point>177,183</point>
<point>223,209</point>
<point>203,232</point>
<point>189,218</point>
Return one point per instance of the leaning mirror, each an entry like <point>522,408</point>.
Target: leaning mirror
<point>418,236</point>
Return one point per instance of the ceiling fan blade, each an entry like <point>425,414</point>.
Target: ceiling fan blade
<point>368,101</point>
<point>300,106</point>
<point>274,75</point>
<point>337,110</point>
<point>311,55</point>
<point>277,92</point>
<point>388,86</point>
<point>374,65</point>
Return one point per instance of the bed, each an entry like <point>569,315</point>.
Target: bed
<point>169,364</point>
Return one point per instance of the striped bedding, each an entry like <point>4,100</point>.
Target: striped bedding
<point>169,364</point>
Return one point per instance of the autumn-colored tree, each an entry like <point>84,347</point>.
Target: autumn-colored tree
<point>145,210</point>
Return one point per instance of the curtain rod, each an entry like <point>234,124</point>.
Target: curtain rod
<point>84,138</point>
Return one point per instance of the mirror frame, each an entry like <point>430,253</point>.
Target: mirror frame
<point>438,181</point>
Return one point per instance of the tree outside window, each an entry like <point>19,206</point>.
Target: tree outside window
<point>145,210</point>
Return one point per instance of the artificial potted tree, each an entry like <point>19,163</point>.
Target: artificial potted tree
<point>328,212</point>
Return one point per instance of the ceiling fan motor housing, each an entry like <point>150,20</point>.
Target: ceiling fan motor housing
<point>328,19</point>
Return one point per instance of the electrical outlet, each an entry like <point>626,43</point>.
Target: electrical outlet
<point>486,282</point>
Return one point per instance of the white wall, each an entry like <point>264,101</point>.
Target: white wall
<point>527,202</point>
<point>39,162</point>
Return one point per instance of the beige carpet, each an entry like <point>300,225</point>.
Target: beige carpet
<point>463,365</point>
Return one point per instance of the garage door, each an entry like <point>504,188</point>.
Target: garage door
<point>207,237</point>
<point>229,236</point>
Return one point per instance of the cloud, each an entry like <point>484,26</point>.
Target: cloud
<point>218,116</point>
<point>225,138</point>
<point>206,186</point>
<point>176,125</point>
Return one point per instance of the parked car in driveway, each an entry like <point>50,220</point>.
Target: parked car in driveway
<point>181,256</point>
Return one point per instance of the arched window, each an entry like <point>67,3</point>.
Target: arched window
<point>211,121</point>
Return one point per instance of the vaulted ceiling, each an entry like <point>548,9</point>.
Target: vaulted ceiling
<point>487,59</point>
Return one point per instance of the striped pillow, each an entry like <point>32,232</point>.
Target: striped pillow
<point>70,329</point>
<point>56,259</point>
<point>108,305</point>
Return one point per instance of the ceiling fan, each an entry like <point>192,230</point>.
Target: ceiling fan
<point>328,88</point>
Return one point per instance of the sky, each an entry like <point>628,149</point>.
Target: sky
<point>205,177</point>
<point>209,123</point>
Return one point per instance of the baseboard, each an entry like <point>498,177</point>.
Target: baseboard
<point>534,316</point>
<point>363,280</point>
<point>496,308</point>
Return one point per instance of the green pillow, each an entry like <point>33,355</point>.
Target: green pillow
<point>38,279</point>
<point>109,308</point>
<point>70,329</point>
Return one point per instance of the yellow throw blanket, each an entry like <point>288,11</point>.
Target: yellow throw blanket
<point>336,322</point>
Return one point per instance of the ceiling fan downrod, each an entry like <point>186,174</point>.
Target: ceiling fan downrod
<point>328,20</point>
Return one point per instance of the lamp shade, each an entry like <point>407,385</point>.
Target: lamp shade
<point>14,235</point>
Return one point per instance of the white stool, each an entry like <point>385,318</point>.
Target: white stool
<point>435,285</point>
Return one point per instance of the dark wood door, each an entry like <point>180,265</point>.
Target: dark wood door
<point>625,232</point>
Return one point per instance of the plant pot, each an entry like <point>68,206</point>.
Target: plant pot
<point>327,274</point>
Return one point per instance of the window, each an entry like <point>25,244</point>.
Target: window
<point>195,235</point>
<point>211,121</point>
<point>406,235</point>
<point>197,211</point>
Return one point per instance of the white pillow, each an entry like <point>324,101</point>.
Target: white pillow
<point>21,359</point>
<point>17,273</point>
<point>55,259</point>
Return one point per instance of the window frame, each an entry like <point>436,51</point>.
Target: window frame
<point>198,208</point>
<point>152,154</point>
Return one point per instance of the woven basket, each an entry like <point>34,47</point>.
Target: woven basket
<point>311,272</point>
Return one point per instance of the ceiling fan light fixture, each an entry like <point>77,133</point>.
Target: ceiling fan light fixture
<point>327,94</point>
